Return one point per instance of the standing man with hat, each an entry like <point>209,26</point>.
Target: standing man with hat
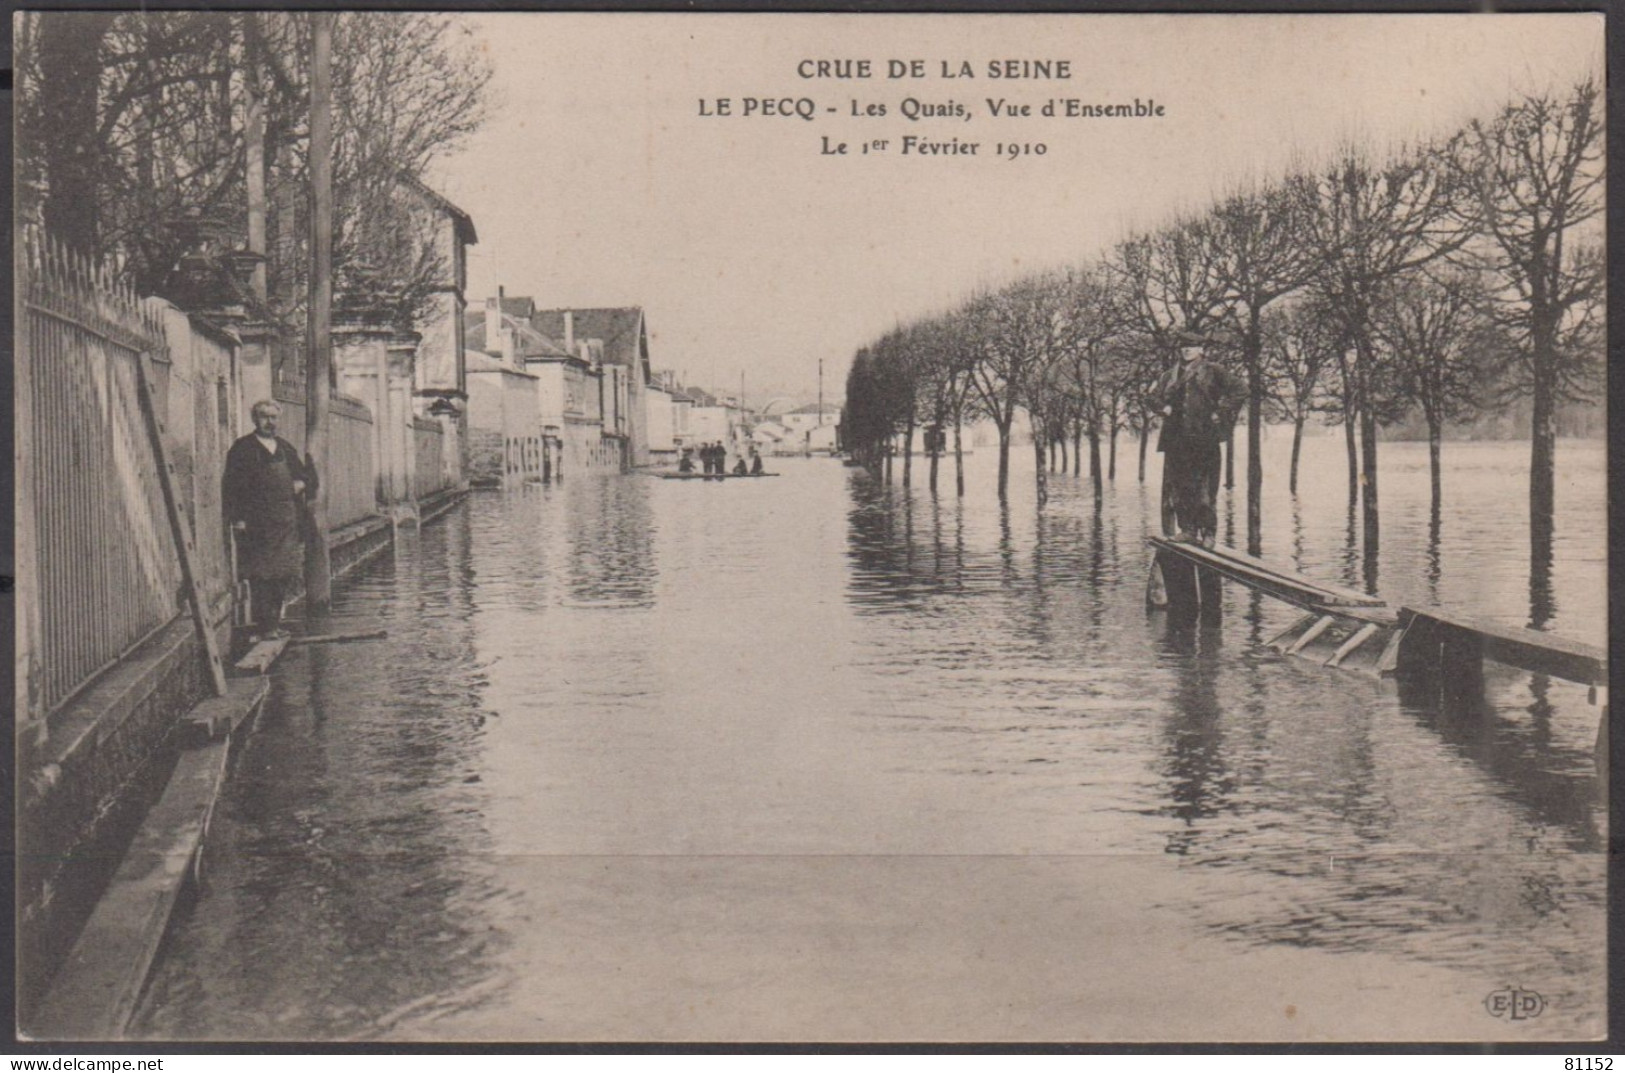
<point>265,490</point>
<point>1200,401</point>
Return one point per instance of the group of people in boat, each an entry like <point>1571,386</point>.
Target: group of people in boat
<point>714,457</point>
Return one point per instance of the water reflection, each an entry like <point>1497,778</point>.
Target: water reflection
<point>1353,801</point>
<point>829,666</point>
<point>346,862</point>
<point>1546,777</point>
<point>1200,782</point>
<point>1351,548</point>
<point>611,533</point>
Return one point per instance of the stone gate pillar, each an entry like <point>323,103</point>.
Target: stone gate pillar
<point>361,358</point>
<point>402,366</point>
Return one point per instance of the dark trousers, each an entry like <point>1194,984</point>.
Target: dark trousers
<point>1190,485</point>
<point>267,595</point>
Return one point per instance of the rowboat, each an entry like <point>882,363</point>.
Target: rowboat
<point>709,476</point>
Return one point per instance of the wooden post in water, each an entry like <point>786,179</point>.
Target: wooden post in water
<point>319,311</point>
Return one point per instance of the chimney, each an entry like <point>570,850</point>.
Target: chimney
<point>569,330</point>
<point>493,322</point>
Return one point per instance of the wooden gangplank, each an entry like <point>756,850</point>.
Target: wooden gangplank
<point>1432,636</point>
<point>1286,585</point>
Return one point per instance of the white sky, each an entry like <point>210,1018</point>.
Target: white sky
<point>598,183</point>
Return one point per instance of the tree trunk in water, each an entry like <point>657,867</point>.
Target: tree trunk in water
<point>959,459</point>
<point>908,453</point>
<point>1297,444</point>
<point>1094,462</point>
<point>1145,441</point>
<point>1111,457</point>
<point>1434,436</point>
<point>1004,460</point>
<point>1368,494</point>
<point>1349,418</point>
<point>1542,493</point>
<point>1542,451</point>
<point>1230,460</point>
<point>1040,472</point>
<point>1255,461</point>
<point>936,456</point>
<point>1077,448</point>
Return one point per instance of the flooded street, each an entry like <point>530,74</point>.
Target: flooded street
<point>818,757</point>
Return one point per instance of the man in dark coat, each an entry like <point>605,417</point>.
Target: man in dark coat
<point>266,488</point>
<point>1200,400</point>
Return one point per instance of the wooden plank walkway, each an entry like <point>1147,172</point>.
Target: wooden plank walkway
<point>259,658</point>
<point>1435,637</point>
<point>1311,594</point>
<point>1415,641</point>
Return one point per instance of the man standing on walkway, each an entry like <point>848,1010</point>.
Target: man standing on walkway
<point>1200,401</point>
<point>266,489</point>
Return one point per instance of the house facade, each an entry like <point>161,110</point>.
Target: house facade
<point>661,412</point>
<point>617,341</point>
<point>439,376</point>
<point>812,427</point>
<point>506,441</point>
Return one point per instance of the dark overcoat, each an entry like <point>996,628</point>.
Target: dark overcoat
<point>1202,399</point>
<point>258,492</point>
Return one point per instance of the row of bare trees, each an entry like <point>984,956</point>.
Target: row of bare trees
<point>1445,279</point>
<point>137,128</point>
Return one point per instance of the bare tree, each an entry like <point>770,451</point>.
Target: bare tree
<point>1301,348</point>
<point>1437,329</point>
<point>1016,336</point>
<point>133,134</point>
<point>1375,221</point>
<point>1260,254</point>
<point>1536,170</point>
<point>1093,365</point>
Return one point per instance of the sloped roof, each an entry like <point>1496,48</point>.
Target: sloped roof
<point>522,308</point>
<point>621,330</point>
<point>814,408</point>
<point>480,362</point>
<point>532,343</point>
<point>465,223</point>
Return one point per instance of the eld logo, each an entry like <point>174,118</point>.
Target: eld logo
<point>1514,1002</point>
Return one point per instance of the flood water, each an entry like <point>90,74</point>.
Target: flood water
<point>816,757</point>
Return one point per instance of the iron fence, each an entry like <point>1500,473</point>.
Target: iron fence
<point>98,562</point>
